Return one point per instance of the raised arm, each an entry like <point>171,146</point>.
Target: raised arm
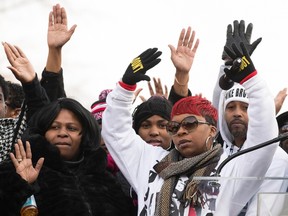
<point>158,90</point>
<point>35,95</point>
<point>182,58</point>
<point>279,99</point>
<point>262,126</point>
<point>236,35</point>
<point>57,36</point>
<point>126,147</point>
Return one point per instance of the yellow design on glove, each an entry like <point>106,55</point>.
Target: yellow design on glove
<point>136,64</point>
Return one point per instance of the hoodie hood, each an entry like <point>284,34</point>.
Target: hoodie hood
<point>236,93</point>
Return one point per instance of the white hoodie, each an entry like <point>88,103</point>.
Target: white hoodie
<point>262,126</point>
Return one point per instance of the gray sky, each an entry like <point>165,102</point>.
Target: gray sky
<point>111,33</point>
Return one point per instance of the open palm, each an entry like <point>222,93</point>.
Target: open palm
<point>22,161</point>
<point>183,56</point>
<point>58,33</point>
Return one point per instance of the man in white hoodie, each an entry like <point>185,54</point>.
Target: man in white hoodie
<point>239,130</point>
<point>244,121</point>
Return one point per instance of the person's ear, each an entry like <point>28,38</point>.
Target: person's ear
<point>14,113</point>
<point>213,131</point>
<point>17,112</point>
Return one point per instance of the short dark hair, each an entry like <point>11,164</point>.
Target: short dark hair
<point>4,86</point>
<point>15,96</point>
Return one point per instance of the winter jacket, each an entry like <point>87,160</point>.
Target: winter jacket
<point>80,188</point>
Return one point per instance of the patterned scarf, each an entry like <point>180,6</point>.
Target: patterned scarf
<point>173,166</point>
<point>11,130</point>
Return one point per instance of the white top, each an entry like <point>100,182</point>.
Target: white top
<point>136,159</point>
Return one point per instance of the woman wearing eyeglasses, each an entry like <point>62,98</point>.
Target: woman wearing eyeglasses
<point>163,180</point>
<point>193,126</point>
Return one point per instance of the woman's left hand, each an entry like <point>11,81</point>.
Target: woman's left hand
<point>22,161</point>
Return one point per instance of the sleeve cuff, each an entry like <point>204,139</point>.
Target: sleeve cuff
<point>127,87</point>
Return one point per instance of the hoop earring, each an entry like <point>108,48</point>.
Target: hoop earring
<point>206,142</point>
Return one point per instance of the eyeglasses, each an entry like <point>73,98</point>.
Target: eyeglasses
<point>189,123</point>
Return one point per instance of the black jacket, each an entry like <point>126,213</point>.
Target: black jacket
<point>81,188</point>
<point>174,97</point>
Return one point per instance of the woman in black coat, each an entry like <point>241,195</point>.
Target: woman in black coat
<point>67,174</point>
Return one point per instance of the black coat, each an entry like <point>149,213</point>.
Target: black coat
<point>82,188</point>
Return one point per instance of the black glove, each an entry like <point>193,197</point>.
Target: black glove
<point>225,82</point>
<point>239,35</point>
<point>246,70</point>
<point>138,67</point>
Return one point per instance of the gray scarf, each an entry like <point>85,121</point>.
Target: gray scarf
<point>173,166</point>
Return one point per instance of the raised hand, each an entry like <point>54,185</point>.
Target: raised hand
<point>238,35</point>
<point>58,33</point>
<point>279,99</point>
<point>137,69</point>
<point>20,65</point>
<point>246,70</point>
<point>158,90</point>
<point>22,161</point>
<point>183,56</point>
<point>136,94</point>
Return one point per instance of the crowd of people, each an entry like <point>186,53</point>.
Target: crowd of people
<point>116,160</point>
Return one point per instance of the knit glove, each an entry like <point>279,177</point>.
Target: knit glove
<point>239,35</point>
<point>246,69</point>
<point>139,66</point>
